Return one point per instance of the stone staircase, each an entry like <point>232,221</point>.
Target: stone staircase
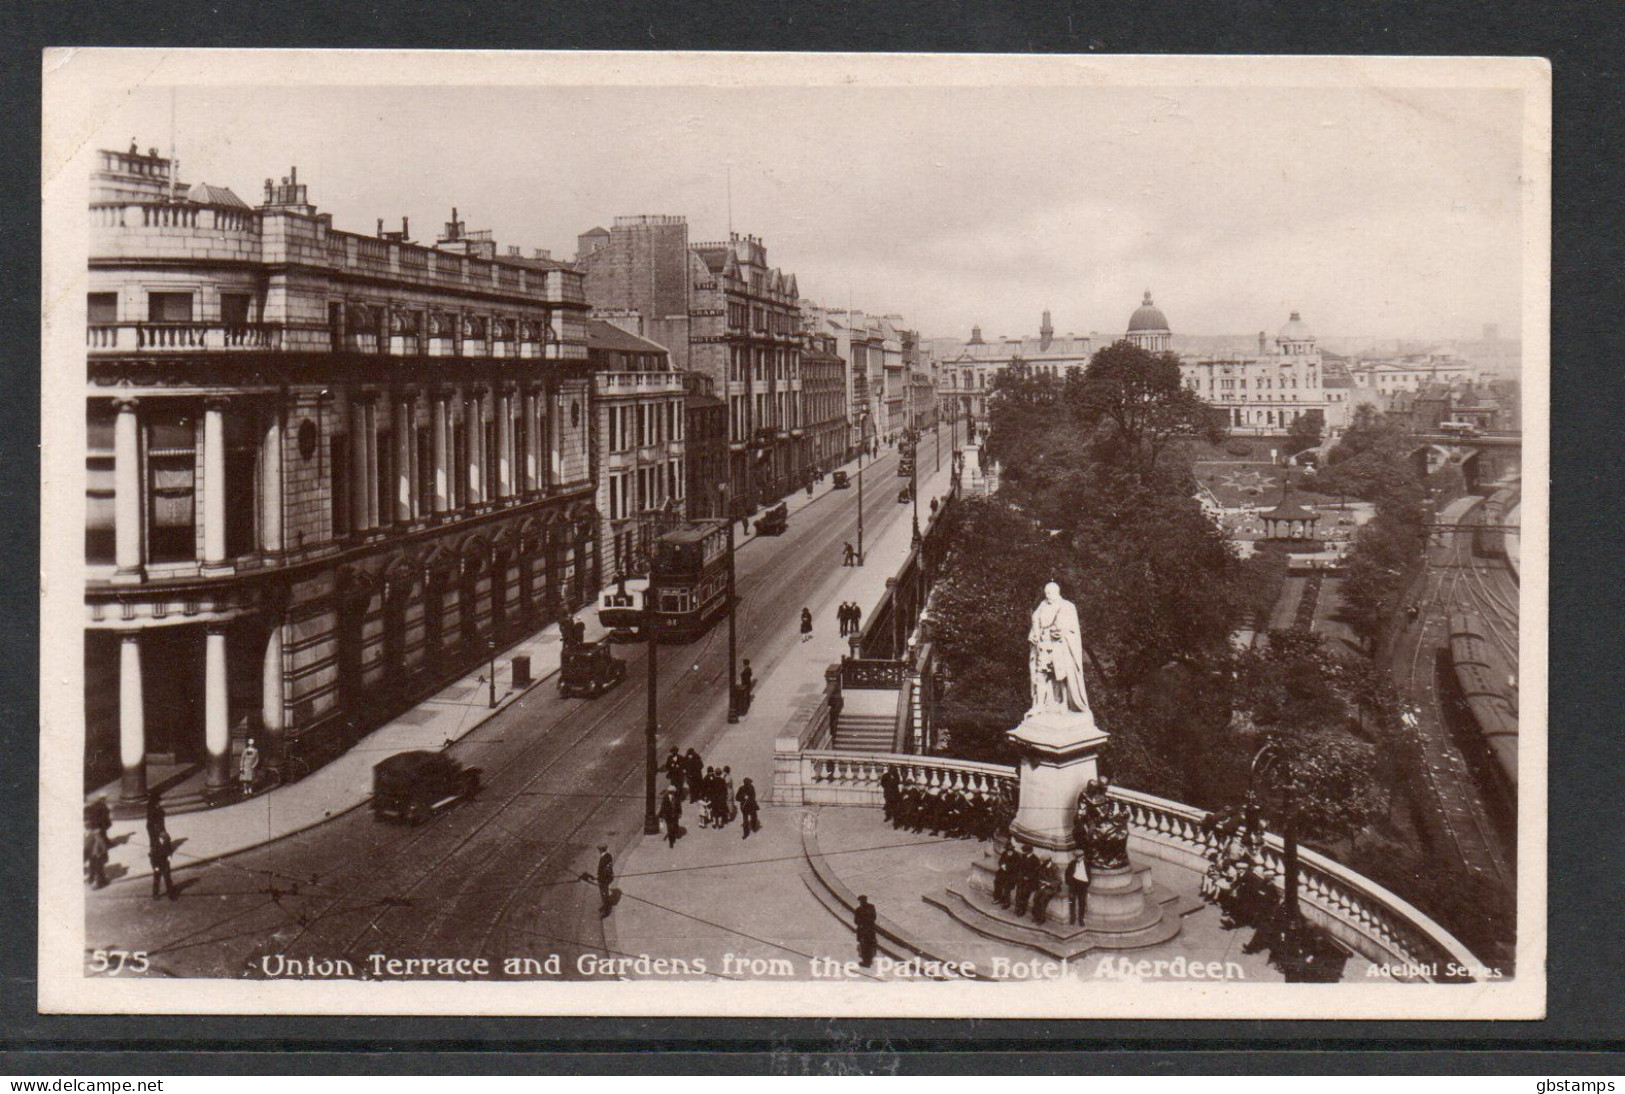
<point>868,721</point>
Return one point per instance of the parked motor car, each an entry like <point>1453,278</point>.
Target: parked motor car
<point>589,669</point>
<point>412,786</point>
<point>774,522</point>
<point>838,481</point>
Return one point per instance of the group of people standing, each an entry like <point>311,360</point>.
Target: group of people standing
<point>1026,883</point>
<point>944,812</point>
<point>712,789</point>
<point>160,845</point>
<point>850,616</point>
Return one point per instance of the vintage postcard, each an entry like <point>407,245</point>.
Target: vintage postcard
<point>794,535</point>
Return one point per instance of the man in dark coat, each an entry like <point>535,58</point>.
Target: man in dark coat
<point>676,771</point>
<point>694,772</point>
<point>747,681</point>
<point>606,879</point>
<point>671,812</point>
<point>1027,870</point>
<point>889,784</point>
<point>158,853</point>
<point>857,618</point>
<point>863,917</point>
<point>1004,878</point>
<point>747,809</point>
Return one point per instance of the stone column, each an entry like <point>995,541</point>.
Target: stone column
<point>370,408</point>
<point>528,409</point>
<point>132,719</point>
<point>216,707</point>
<point>442,455</point>
<point>214,482</point>
<point>474,430</point>
<point>273,699</point>
<point>358,464</point>
<point>271,484</point>
<point>504,452</point>
<point>415,472</point>
<point>403,460</point>
<point>127,490</point>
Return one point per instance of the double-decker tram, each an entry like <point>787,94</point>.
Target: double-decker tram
<point>688,583</point>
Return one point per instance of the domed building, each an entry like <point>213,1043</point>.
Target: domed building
<point>1266,393</point>
<point>1295,338</point>
<point>1148,327</point>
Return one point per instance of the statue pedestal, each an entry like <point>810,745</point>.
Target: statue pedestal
<point>1125,909</point>
<point>1058,759</point>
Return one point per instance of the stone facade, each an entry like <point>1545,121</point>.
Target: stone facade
<point>640,422</point>
<point>707,445</point>
<point>823,399</point>
<point>736,319</point>
<point>325,471</point>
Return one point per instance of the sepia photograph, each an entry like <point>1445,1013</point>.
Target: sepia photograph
<point>794,535</point>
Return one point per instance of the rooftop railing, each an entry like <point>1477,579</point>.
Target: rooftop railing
<point>164,337</point>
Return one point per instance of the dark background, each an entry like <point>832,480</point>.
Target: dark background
<point>1581,40</point>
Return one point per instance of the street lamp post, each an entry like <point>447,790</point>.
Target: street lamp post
<point>651,820</point>
<point>862,447</point>
<point>733,650</point>
<point>914,484</point>
<point>491,652</point>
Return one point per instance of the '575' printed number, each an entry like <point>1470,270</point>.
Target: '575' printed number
<point>113,962</point>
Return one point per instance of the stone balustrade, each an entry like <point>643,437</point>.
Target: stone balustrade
<point>1355,910</point>
<point>165,337</point>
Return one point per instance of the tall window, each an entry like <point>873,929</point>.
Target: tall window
<point>100,541</point>
<point>169,307</point>
<point>235,309</point>
<point>101,307</point>
<point>171,483</point>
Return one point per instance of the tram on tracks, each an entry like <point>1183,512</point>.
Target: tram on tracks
<point>1482,713</point>
<point>688,581</point>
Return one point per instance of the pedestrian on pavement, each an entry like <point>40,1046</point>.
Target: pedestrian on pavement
<point>863,917</point>
<point>806,624</point>
<point>747,809</point>
<point>728,793</point>
<point>857,618</point>
<point>1077,886</point>
<point>158,854</point>
<point>744,526</point>
<point>716,797</point>
<point>675,771</point>
<point>694,772</point>
<point>848,555</point>
<point>98,814</point>
<point>608,895</point>
<point>248,767</point>
<point>671,812</point>
<point>95,855</point>
<point>747,681</point>
<point>157,820</point>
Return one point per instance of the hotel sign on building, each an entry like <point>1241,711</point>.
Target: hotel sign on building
<point>327,472</point>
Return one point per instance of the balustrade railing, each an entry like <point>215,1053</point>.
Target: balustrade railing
<point>878,675</point>
<point>1363,915</point>
<point>183,336</point>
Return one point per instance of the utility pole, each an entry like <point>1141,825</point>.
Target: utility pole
<point>491,650</point>
<point>733,649</point>
<point>863,444</point>
<point>651,819</point>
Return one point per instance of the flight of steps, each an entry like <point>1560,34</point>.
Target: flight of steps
<point>868,721</point>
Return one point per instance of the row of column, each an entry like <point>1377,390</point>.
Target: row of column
<point>129,551</point>
<point>496,475</point>
<point>216,707</point>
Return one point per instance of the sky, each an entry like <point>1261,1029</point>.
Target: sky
<point>1374,213</point>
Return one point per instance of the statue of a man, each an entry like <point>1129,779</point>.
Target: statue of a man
<point>1056,659</point>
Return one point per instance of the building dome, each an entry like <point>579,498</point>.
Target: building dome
<point>1147,317</point>
<point>1296,330</point>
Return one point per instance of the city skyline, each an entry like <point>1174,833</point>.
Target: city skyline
<point>1375,216</point>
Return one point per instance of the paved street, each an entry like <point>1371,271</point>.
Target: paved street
<point>1455,580</point>
<point>499,877</point>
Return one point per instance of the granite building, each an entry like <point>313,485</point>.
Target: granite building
<point>327,472</point>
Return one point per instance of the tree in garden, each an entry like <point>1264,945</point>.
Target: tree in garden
<point>1295,704</point>
<point>1134,403</point>
<point>1305,432</point>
